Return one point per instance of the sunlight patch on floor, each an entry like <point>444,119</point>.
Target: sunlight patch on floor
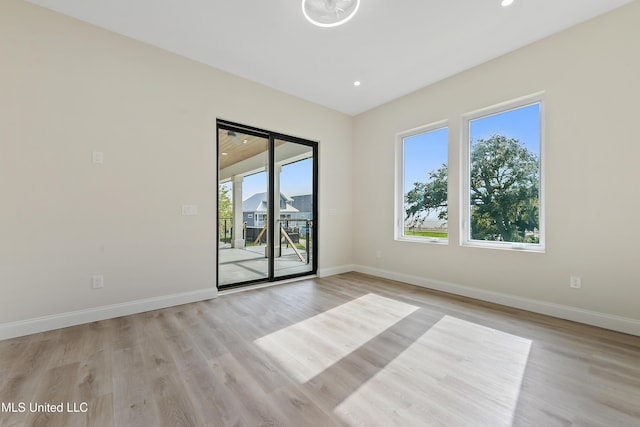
<point>456,373</point>
<point>307,348</point>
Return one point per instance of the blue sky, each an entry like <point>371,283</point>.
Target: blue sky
<point>423,153</point>
<point>295,179</point>
<point>522,124</point>
<point>426,152</point>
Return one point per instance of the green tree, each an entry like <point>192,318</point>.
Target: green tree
<point>504,184</point>
<point>427,197</point>
<point>225,209</point>
<point>504,188</point>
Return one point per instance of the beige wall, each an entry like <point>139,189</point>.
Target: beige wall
<point>590,76</point>
<point>68,88</point>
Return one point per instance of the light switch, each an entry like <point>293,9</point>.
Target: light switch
<point>98,157</point>
<point>188,210</point>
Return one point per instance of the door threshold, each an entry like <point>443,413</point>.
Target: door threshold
<point>264,285</point>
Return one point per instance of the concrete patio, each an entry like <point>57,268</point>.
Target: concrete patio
<point>250,263</point>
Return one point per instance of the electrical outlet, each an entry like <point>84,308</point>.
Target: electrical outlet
<point>97,281</point>
<point>575,282</point>
<point>378,254</point>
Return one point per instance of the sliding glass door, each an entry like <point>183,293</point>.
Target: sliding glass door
<point>294,210</point>
<point>267,206</point>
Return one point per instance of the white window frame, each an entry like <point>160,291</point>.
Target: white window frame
<point>465,231</point>
<point>399,187</point>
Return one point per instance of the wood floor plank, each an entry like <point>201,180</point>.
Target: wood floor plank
<point>181,344</point>
<point>100,411</point>
<point>95,376</point>
<point>264,370</point>
<point>215,405</point>
<point>10,351</point>
<point>56,388</point>
<point>346,350</point>
<point>172,401</point>
<point>257,409</point>
<point>204,335</point>
<point>133,402</point>
<point>299,409</point>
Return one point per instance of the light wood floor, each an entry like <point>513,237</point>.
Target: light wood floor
<point>347,350</point>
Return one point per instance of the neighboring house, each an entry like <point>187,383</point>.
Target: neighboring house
<point>304,204</point>
<point>254,213</point>
<point>254,209</point>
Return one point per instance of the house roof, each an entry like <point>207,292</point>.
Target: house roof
<point>258,203</point>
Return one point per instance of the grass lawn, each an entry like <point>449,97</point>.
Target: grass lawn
<point>438,234</point>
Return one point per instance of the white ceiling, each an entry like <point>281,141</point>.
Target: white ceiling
<point>393,47</point>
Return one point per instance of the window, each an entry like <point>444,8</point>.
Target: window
<point>421,184</point>
<point>503,191</point>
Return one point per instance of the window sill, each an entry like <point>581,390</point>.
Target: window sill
<point>505,246</point>
<point>432,240</point>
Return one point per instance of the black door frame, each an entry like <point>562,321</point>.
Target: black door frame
<point>272,137</point>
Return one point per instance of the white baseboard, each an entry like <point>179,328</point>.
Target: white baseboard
<point>63,320</point>
<point>594,318</point>
<point>332,271</point>
<point>47,323</point>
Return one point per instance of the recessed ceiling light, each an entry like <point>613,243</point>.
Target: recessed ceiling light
<point>506,3</point>
<point>356,83</point>
<point>224,154</point>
